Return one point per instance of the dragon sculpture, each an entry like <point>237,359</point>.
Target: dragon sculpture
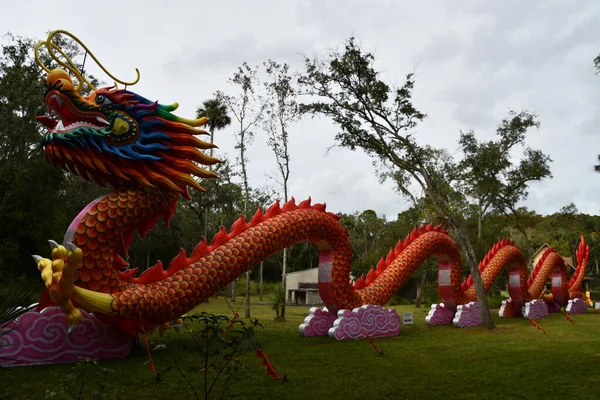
<point>151,157</point>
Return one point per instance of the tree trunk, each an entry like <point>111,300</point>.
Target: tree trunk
<point>206,224</point>
<point>284,264</point>
<point>528,251</point>
<point>248,294</point>
<point>479,222</point>
<point>471,260</point>
<point>462,237</point>
<point>260,282</point>
<point>284,284</point>
<point>420,291</point>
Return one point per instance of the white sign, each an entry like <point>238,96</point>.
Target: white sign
<point>407,318</point>
<point>597,306</point>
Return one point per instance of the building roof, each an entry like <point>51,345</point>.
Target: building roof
<point>568,260</point>
<point>309,270</point>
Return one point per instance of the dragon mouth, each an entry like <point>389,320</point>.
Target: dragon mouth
<point>70,117</point>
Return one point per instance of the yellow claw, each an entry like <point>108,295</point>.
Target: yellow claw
<point>58,275</point>
<point>74,316</point>
<point>47,274</point>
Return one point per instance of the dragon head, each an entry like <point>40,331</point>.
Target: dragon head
<point>117,137</point>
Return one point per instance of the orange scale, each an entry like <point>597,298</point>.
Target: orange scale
<point>102,206</point>
<point>84,275</point>
<point>120,211</point>
<point>102,217</point>
<point>97,274</point>
<point>122,203</point>
<point>89,262</point>
<point>112,213</point>
<point>96,254</point>
<point>81,229</point>
<point>90,221</point>
<point>93,211</point>
<point>102,239</point>
<point>129,212</point>
<point>113,196</point>
<point>104,282</point>
<point>93,244</point>
<point>111,223</point>
<point>94,286</point>
<point>91,232</point>
<point>80,240</point>
<point>101,227</point>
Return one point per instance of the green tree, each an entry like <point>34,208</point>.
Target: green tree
<point>379,119</point>
<point>281,110</point>
<point>491,178</point>
<point>365,230</point>
<point>216,112</point>
<point>247,109</point>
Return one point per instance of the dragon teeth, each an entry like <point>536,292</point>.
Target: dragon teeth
<point>102,120</point>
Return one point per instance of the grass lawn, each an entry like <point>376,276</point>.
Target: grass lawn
<point>515,361</point>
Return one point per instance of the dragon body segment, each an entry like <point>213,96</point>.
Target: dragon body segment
<point>150,157</point>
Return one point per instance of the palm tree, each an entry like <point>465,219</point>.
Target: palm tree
<point>14,301</point>
<point>216,112</point>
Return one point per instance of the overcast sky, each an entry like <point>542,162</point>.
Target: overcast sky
<point>474,60</point>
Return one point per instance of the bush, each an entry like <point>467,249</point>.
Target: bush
<point>218,343</point>
<point>269,288</point>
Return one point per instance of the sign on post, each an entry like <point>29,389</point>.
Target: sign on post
<point>407,318</point>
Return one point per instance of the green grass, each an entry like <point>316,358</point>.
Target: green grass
<point>515,361</point>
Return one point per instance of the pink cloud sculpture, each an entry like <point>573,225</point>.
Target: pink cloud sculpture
<point>467,315</point>
<point>577,306</point>
<point>373,320</point>
<point>439,315</point>
<point>44,338</point>
<point>535,309</point>
<point>317,323</point>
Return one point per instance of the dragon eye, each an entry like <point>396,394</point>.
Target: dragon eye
<point>102,99</point>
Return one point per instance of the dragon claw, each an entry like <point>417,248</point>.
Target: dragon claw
<point>58,274</point>
<point>70,246</point>
<point>36,258</point>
